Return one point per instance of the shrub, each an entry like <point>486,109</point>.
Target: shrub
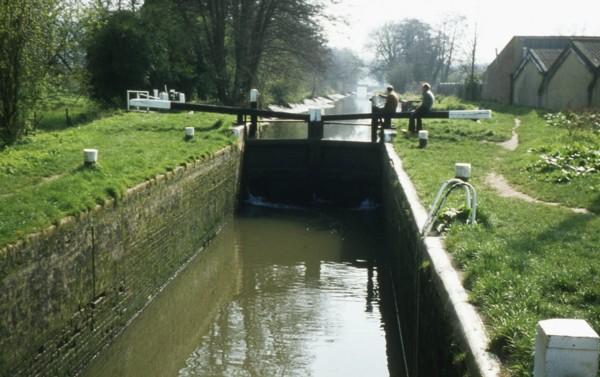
<point>564,164</point>
<point>574,122</point>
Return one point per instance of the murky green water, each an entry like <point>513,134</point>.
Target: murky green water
<point>277,293</point>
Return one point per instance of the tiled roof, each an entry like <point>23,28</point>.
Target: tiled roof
<point>545,42</point>
<point>546,56</point>
<point>590,48</point>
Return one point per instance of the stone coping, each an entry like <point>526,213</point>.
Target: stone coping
<point>466,322</point>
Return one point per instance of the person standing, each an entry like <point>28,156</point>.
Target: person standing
<point>424,108</point>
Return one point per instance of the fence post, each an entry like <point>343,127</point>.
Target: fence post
<point>374,122</point>
<point>565,348</point>
<point>253,117</point>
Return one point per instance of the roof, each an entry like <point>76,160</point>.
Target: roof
<point>590,49</point>
<point>546,57</point>
<point>544,42</point>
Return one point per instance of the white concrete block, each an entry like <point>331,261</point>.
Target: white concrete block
<point>566,348</point>
<point>90,156</point>
<point>189,132</point>
<point>462,170</point>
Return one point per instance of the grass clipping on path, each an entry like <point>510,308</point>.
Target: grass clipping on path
<point>523,262</point>
<point>43,179</point>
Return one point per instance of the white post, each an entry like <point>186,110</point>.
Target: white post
<point>423,138</point>
<point>189,132</point>
<point>462,170</point>
<point>90,157</point>
<point>253,95</point>
<point>315,114</point>
<point>565,348</point>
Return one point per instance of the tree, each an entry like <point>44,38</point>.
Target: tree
<point>410,51</point>
<point>176,57</point>
<point>118,57</point>
<point>236,35</point>
<point>472,83</point>
<point>344,71</point>
<point>27,43</point>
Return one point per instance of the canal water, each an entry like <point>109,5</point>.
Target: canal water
<point>354,130</point>
<point>279,292</point>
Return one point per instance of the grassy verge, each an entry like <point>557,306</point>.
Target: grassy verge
<point>66,111</point>
<point>43,179</point>
<point>523,262</point>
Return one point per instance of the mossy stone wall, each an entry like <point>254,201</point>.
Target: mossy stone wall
<point>67,292</point>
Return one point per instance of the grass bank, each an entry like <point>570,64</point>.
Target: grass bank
<point>524,261</point>
<point>42,179</point>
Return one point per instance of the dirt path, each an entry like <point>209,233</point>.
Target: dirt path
<point>513,143</point>
<point>505,190</point>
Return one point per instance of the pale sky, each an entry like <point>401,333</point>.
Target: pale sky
<point>497,21</point>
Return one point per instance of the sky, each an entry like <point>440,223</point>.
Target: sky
<point>497,21</point>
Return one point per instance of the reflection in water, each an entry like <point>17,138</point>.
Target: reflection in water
<point>302,309</point>
<point>332,131</point>
<point>302,297</point>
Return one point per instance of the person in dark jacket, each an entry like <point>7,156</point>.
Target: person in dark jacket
<point>424,108</point>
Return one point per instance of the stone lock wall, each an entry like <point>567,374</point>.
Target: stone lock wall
<point>442,333</point>
<point>66,292</point>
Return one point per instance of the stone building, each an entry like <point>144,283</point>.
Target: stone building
<point>497,79</point>
<point>531,73</point>
<point>551,72</point>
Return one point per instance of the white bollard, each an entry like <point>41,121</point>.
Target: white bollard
<point>314,114</point>
<point>462,170</point>
<point>90,157</point>
<point>189,132</point>
<point>423,138</point>
<point>182,97</point>
<point>155,93</point>
<point>389,135</point>
<point>565,348</point>
<point>253,95</point>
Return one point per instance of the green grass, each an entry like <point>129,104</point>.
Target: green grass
<point>53,115</point>
<point>43,179</point>
<point>523,262</point>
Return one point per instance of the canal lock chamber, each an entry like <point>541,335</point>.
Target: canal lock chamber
<point>361,176</point>
<point>319,278</point>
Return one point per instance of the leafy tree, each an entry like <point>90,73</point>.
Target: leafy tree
<point>118,57</point>
<point>410,51</point>
<point>177,59</point>
<point>27,44</point>
<point>236,35</point>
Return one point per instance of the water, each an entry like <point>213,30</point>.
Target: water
<point>278,293</point>
<point>356,130</point>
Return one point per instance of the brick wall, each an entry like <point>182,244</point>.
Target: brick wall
<point>66,292</point>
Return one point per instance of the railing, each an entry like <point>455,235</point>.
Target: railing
<point>315,120</point>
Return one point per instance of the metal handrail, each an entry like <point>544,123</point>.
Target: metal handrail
<point>443,193</point>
